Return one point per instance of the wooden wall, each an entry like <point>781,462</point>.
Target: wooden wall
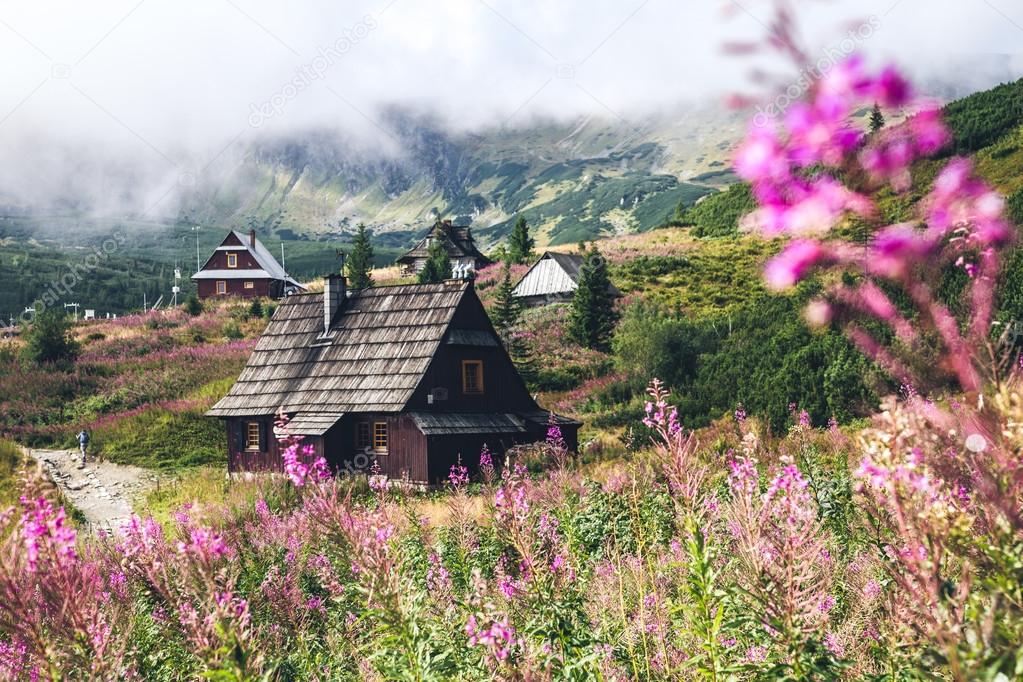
<point>504,390</point>
<point>269,456</point>
<point>207,288</point>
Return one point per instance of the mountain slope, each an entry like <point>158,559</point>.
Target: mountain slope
<point>578,180</point>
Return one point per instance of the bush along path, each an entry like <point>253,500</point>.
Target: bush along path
<point>102,491</point>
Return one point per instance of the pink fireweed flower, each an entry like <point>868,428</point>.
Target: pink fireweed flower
<point>437,576</point>
<point>487,470</point>
<point>959,199</point>
<point>819,134</point>
<point>743,478</point>
<point>872,589</point>
<point>761,158</point>
<point>45,529</point>
<point>498,637</point>
<point>204,543</point>
<point>789,498</point>
<point>897,248</point>
<point>458,476</point>
<point>794,262</point>
<point>818,313</point>
<point>891,89</point>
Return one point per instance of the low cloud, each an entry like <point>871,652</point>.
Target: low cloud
<point>118,107</point>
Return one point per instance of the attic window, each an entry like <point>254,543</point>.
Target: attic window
<point>472,377</point>
<point>232,260</point>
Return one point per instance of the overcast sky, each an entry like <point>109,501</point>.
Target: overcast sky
<point>157,81</point>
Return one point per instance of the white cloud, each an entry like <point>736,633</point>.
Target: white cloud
<point>156,86</point>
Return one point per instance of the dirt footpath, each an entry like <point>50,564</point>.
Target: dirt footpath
<point>104,492</point>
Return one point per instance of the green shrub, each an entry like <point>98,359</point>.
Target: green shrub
<point>717,215</point>
<point>193,306</point>
<point>48,339</point>
<point>233,331</point>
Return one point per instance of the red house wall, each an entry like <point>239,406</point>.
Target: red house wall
<point>207,288</point>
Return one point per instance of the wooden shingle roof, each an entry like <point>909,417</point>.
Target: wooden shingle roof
<point>381,344</point>
<point>458,241</point>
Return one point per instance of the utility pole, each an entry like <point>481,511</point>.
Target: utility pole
<point>282,259</point>
<point>196,230</point>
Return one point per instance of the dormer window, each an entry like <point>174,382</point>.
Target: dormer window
<point>232,260</point>
<point>472,377</point>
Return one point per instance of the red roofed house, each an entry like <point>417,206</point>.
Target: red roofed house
<point>242,266</point>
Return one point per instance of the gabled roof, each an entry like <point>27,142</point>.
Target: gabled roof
<point>458,241</point>
<point>382,342</point>
<point>553,273</point>
<point>270,268</point>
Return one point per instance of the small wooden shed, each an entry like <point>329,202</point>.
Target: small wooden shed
<point>554,277</point>
<point>458,242</point>
<point>413,377</point>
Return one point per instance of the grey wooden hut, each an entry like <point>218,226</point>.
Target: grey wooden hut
<point>554,277</point>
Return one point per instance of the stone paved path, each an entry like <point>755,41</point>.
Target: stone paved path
<point>104,492</point>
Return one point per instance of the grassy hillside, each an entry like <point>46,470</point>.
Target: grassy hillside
<point>141,386</point>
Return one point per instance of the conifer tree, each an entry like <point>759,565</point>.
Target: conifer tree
<point>506,314</point>
<point>520,244</point>
<point>522,356</point>
<point>360,262</point>
<point>438,263</point>
<point>876,119</point>
<point>592,319</point>
<point>507,310</point>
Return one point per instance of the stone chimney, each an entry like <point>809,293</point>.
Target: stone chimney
<point>252,238</point>
<point>333,298</point>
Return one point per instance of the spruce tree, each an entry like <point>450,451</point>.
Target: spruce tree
<point>256,308</point>
<point>360,262</point>
<point>876,119</point>
<point>438,263</point>
<point>591,321</point>
<point>522,356</point>
<point>506,314</point>
<point>520,244</point>
<point>507,310</point>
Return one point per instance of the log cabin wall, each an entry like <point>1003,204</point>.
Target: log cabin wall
<point>268,457</point>
<point>406,455</point>
<point>207,288</point>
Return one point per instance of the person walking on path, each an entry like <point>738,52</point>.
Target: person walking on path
<point>83,444</point>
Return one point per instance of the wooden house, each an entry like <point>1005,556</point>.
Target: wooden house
<point>554,277</point>
<point>459,243</point>
<point>412,376</point>
<point>242,266</point>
